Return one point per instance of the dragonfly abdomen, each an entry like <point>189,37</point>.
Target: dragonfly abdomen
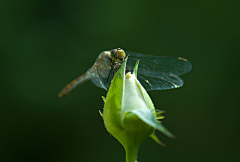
<point>73,84</point>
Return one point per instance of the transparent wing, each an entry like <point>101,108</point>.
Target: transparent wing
<point>97,82</point>
<point>159,72</point>
<point>97,79</point>
<point>106,82</point>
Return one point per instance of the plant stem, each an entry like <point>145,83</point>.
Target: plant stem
<point>131,154</point>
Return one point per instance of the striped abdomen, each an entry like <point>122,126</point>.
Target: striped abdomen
<point>86,76</point>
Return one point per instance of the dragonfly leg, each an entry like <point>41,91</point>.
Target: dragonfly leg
<point>111,71</point>
<point>109,75</point>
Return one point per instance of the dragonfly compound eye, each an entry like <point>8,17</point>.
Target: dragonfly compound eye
<point>120,55</point>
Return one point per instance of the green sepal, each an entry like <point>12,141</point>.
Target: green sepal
<point>113,101</point>
<point>136,68</point>
<point>146,115</point>
<point>155,138</point>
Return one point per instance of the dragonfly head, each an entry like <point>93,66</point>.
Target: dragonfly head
<point>118,55</point>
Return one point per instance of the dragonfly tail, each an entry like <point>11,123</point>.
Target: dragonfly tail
<point>73,84</point>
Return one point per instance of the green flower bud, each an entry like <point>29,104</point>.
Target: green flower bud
<point>129,114</point>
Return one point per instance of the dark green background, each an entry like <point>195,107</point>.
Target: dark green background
<point>45,44</point>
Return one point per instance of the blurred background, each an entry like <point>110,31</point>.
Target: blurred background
<point>45,44</point>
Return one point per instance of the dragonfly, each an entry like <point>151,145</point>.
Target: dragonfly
<point>154,72</point>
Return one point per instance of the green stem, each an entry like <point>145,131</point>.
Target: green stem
<point>131,154</point>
